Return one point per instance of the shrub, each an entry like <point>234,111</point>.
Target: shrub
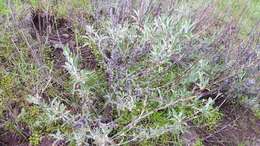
<point>159,72</point>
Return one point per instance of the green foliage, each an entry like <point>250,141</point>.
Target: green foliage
<point>5,45</point>
<point>3,8</point>
<point>160,32</point>
<point>89,81</point>
<point>35,139</point>
<point>31,116</point>
<point>164,139</point>
<point>6,83</point>
<point>63,8</point>
<point>154,120</point>
<point>203,113</point>
<point>198,142</point>
<point>42,120</point>
<point>209,116</point>
<point>257,113</point>
<point>6,89</point>
<point>200,74</point>
<point>240,9</point>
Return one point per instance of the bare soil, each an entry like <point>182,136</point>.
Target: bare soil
<point>59,33</point>
<point>239,126</point>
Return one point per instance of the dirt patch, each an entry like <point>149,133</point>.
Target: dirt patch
<point>58,33</point>
<point>238,126</point>
<point>42,22</point>
<point>12,139</point>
